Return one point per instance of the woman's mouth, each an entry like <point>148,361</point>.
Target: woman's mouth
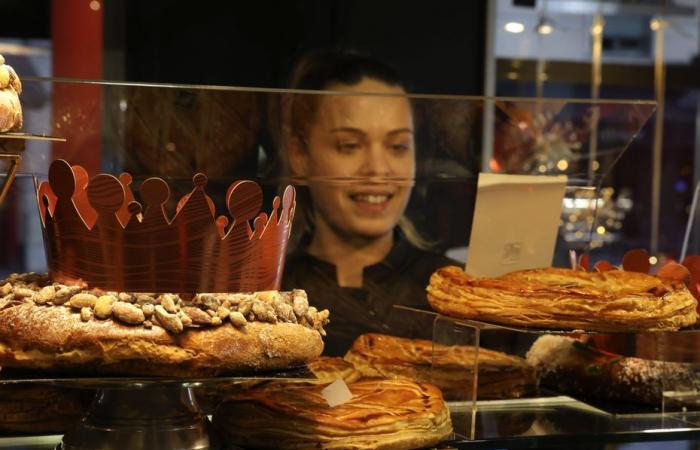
<point>373,203</point>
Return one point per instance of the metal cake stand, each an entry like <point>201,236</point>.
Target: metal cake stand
<point>144,413</point>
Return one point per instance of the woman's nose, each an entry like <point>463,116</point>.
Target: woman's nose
<point>376,161</point>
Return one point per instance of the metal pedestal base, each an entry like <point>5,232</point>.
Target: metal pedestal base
<point>150,417</point>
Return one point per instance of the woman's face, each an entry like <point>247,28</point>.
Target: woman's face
<point>369,140</point>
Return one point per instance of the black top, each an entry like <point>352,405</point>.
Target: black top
<point>401,278</point>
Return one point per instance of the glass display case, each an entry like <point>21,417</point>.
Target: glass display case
<point>365,165</point>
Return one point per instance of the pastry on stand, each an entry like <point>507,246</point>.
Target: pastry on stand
<point>380,415</point>
<point>564,299</point>
<point>326,369</point>
<point>142,306</point>
<point>450,368</point>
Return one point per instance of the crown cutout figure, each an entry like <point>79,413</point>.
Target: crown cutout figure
<point>96,232</point>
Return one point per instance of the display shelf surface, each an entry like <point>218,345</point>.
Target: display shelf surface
<point>10,376</point>
<point>485,326</point>
<point>488,325</point>
<point>31,137</point>
<point>562,421</point>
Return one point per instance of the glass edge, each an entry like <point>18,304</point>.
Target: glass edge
<point>604,101</point>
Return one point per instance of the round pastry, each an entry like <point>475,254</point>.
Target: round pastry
<point>10,107</point>
<point>382,415</point>
<point>451,368</point>
<point>46,325</point>
<point>565,299</point>
<point>572,367</point>
<point>34,409</point>
<point>327,369</point>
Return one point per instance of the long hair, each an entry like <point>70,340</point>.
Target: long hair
<point>318,71</point>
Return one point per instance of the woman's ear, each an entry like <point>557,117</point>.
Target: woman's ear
<point>298,157</point>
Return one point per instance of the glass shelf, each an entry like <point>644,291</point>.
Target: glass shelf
<point>10,376</point>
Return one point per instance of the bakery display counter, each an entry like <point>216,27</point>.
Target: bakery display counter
<point>564,422</point>
<point>124,412</point>
<point>135,132</point>
<point>552,422</point>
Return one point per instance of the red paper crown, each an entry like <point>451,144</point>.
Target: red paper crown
<point>95,232</point>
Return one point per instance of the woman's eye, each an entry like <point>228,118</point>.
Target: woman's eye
<point>400,148</point>
<point>348,147</point>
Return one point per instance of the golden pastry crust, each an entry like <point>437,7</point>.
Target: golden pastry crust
<point>382,415</point>
<point>327,369</point>
<point>52,337</point>
<point>565,299</point>
<point>452,370</point>
<point>10,107</point>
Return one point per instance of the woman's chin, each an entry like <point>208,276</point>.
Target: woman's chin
<point>372,229</point>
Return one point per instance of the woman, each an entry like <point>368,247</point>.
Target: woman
<point>358,256</point>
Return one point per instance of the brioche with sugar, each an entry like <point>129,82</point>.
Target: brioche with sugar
<point>572,367</point>
<point>556,298</point>
<point>46,325</point>
<point>451,368</point>
<point>10,107</point>
<point>381,415</point>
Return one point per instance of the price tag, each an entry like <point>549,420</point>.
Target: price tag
<point>336,393</point>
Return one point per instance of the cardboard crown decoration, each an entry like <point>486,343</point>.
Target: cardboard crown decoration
<point>95,232</point>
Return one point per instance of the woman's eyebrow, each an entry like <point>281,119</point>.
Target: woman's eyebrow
<point>347,130</point>
<point>400,130</point>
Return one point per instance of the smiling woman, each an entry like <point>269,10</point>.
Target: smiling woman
<point>354,150</point>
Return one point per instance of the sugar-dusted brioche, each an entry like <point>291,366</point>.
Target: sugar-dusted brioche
<point>10,107</point>
<point>46,325</point>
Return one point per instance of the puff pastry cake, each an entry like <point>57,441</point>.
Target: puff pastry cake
<point>382,415</point>
<point>327,369</point>
<point>565,299</point>
<point>451,369</point>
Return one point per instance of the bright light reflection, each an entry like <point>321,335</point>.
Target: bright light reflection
<point>514,27</point>
<point>545,29</point>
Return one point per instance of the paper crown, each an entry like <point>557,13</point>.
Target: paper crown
<point>95,232</point>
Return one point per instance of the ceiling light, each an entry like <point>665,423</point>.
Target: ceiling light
<point>544,26</point>
<point>514,27</point>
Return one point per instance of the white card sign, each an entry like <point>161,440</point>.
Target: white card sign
<point>515,223</point>
<point>336,393</point>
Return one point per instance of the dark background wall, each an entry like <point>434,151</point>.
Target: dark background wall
<point>437,46</point>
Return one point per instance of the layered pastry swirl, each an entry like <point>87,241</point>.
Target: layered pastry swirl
<point>565,299</point>
<point>451,368</point>
<point>382,415</point>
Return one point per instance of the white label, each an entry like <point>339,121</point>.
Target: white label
<point>336,393</point>
<point>515,223</point>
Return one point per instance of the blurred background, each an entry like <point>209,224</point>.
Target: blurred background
<point>578,49</point>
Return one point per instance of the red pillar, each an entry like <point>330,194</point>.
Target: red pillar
<point>76,33</point>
